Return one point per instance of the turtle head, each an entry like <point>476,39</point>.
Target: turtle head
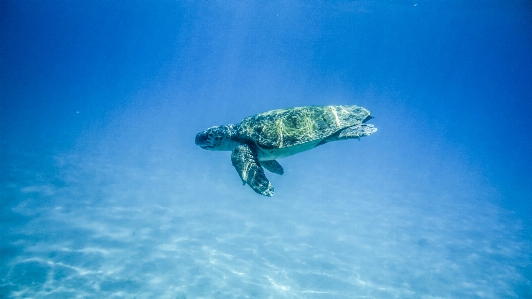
<point>219,138</point>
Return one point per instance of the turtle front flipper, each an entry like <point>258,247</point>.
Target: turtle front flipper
<point>247,165</point>
<point>272,166</point>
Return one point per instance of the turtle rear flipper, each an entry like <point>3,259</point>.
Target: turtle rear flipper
<point>357,131</point>
<point>354,132</point>
<point>248,167</point>
<point>272,166</point>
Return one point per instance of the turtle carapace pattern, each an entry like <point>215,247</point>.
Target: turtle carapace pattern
<point>259,140</point>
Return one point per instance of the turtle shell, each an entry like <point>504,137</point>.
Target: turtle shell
<point>284,128</point>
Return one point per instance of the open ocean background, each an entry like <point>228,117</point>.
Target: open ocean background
<point>105,195</point>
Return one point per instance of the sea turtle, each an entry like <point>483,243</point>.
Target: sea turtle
<point>260,139</point>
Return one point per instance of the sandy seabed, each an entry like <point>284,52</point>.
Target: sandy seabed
<point>127,233</point>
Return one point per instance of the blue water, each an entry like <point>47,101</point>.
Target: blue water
<point>105,195</point>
